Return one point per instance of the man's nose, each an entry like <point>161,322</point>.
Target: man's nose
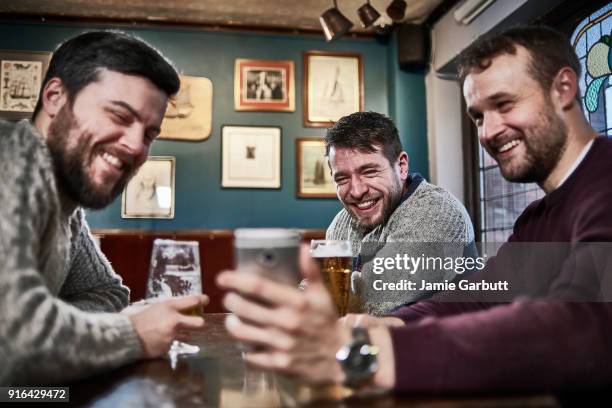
<point>492,126</point>
<point>133,140</point>
<point>358,188</point>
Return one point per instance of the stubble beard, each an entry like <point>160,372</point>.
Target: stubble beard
<point>390,204</point>
<point>70,163</point>
<point>543,150</point>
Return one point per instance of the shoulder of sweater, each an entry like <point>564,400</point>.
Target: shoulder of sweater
<point>436,199</point>
<point>339,226</point>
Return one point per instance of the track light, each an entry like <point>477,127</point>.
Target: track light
<point>396,10</point>
<point>367,14</point>
<point>334,23</point>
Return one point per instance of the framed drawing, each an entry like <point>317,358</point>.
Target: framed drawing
<point>150,193</point>
<point>250,156</point>
<point>21,75</point>
<point>313,175</point>
<point>189,113</point>
<point>333,86</point>
<point>264,85</point>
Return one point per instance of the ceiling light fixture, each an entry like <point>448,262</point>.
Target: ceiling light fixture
<point>396,10</point>
<point>334,23</point>
<point>367,14</point>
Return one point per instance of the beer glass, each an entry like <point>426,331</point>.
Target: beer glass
<point>336,261</point>
<point>175,271</point>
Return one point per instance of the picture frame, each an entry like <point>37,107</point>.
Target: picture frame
<point>21,76</point>
<point>250,156</point>
<point>189,113</point>
<point>150,193</point>
<point>333,87</point>
<point>313,178</point>
<point>264,85</point>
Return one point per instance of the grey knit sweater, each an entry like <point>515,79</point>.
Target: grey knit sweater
<point>429,215</point>
<point>58,293</point>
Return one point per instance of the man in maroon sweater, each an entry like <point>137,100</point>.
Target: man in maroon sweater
<point>521,90</point>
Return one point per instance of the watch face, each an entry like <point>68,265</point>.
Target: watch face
<point>360,358</point>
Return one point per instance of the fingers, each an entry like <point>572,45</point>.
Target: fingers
<point>187,302</point>
<point>190,322</point>
<point>268,337</point>
<point>258,287</point>
<point>284,318</point>
<point>308,266</point>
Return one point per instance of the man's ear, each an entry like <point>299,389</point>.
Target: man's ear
<point>564,88</point>
<point>403,162</point>
<point>54,96</point>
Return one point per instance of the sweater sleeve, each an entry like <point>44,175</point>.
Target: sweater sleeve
<point>91,283</point>
<point>557,344</point>
<point>42,338</point>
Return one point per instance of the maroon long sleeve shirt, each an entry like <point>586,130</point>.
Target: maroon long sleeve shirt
<point>524,344</point>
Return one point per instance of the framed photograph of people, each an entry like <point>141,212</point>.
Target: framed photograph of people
<point>150,193</point>
<point>312,172</point>
<point>21,75</point>
<point>333,86</point>
<point>250,157</point>
<point>264,85</point>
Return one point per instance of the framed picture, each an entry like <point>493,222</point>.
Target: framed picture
<point>21,75</point>
<point>333,87</point>
<point>250,156</point>
<point>264,85</point>
<point>313,175</point>
<point>150,193</point>
<point>189,113</point>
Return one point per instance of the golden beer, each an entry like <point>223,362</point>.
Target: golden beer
<point>193,311</point>
<point>337,278</point>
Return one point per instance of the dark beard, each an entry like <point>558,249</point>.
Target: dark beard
<point>543,151</point>
<point>69,164</point>
<point>394,200</point>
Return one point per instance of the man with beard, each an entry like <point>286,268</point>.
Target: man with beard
<point>521,90</point>
<point>383,203</point>
<point>100,107</point>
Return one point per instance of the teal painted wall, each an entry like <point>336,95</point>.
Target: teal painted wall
<point>408,110</point>
<point>200,202</point>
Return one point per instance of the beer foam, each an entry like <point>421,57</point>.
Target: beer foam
<point>329,249</point>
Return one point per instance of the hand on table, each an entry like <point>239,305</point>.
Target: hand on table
<point>298,331</point>
<point>159,324</point>
<point>367,321</point>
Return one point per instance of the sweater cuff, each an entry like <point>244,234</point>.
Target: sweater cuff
<point>132,346</point>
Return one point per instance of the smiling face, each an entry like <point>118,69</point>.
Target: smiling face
<point>99,141</point>
<point>369,187</point>
<point>516,121</point>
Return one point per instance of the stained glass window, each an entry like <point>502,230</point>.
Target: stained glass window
<point>591,40</point>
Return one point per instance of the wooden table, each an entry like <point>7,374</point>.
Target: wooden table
<point>217,376</point>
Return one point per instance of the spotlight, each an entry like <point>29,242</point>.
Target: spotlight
<point>396,10</point>
<point>334,23</point>
<point>367,14</point>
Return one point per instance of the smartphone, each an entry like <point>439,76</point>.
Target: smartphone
<point>271,252</point>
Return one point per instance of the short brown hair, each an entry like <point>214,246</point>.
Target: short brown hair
<point>549,51</point>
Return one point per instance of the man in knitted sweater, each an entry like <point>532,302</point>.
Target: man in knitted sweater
<point>100,107</point>
<point>386,209</point>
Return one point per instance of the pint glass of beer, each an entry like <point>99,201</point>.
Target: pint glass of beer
<point>336,261</point>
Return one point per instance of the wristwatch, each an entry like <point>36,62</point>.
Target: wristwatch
<point>358,358</point>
